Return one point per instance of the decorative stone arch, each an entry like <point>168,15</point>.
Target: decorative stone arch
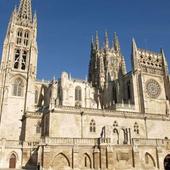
<point>87,161</point>
<point>12,159</point>
<point>167,162</point>
<point>60,161</point>
<point>18,76</point>
<point>149,160</point>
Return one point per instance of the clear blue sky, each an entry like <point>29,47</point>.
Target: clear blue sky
<point>65,28</point>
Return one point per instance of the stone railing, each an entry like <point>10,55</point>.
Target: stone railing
<point>151,142</point>
<point>35,114</point>
<point>122,106</point>
<point>10,143</point>
<point>74,141</point>
<point>128,113</point>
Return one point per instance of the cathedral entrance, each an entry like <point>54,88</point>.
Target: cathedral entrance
<point>12,161</point>
<point>167,162</point>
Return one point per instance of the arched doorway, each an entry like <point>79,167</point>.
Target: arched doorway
<point>167,162</point>
<point>12,161</point>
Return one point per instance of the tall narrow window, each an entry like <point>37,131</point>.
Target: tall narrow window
<point>23,61</point>
<point>128,90</point>
<point>20,59</point>
<point>17,58</point>
<point>115,94</point>
<point>92,126</point>
<point>18,87</point>
<point>78,93</point>
<point>19,37</point>
<point>26,38</point>
<point>36,96</point>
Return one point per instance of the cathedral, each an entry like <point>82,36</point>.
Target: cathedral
<point>113,120</point>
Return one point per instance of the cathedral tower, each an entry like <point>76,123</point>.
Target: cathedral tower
<point>106,65</point>
<point>18,70</point>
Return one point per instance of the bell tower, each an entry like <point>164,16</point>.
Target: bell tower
<point>18,70</point>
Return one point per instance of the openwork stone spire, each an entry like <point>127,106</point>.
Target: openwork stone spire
<point>25,10</point>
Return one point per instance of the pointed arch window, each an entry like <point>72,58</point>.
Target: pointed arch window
<point>18,87</point>
<point>26,38</point>
<point>78,96</point>
<point>23,60</point>
<point>19,36</point>
<point>92,126</point>
<point>20,59</point>
<point>17,58</point>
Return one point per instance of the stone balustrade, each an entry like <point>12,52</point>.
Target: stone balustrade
<point>10,143</point>
<point>119,113</point>
<point>122,106</point>
<point>75,141</point>
<point>151,142</point>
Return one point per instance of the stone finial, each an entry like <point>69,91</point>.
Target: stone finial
<point>116,43</point>
<point>164,62</point>
<point>97,40</point>
<point>134,55</point>
<point>106,40</point>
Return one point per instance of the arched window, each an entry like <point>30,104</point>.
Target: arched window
<point>78,93</point>
<point>36,96</point>
<point>26,38</point>
<point>17,58</point>
<point>18,87</point>
<point>92,126</point>
<point>19,37</point>
<point>20,59</point>
<point>23,61</point>
<point>136,128</point>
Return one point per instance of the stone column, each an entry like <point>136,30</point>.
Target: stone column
<point>75,157</point>
<point>2,153</point>
<point>96,158</point>
<point>103,157</point>
<point>160,154</point>
<point>110,160</point>
<point>40,162</point>
<point>136,158</point>
<point>47,157</point>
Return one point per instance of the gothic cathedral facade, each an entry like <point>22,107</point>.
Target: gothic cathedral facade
<point>114,120</point>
